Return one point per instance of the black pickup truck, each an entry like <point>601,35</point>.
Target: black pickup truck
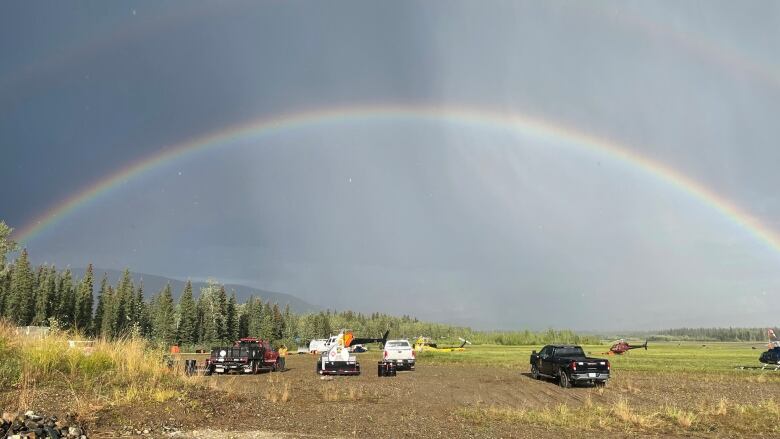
<point>569,365</point>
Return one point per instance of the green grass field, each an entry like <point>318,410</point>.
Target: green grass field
<point>671,389</point>
<point>660,356</point>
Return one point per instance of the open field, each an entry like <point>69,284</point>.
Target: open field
<point>670,390</point>
<point>660,356</point>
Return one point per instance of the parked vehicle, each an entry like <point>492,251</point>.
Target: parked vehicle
<point>358,349</point>
<point>247,355</point>
<point>338,360</point>
<point>318,345</point>
<point>569,365</point>
<point>400,353</point>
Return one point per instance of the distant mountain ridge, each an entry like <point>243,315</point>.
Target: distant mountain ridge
<point>154,283</point>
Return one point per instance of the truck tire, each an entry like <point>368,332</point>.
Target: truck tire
<point>535,372</point>
<point>601,384</point>
<point>565,382</point>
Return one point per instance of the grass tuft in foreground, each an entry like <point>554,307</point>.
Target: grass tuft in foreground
<point>119,371</point>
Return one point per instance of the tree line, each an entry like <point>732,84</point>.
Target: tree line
<point>706,334</point>
<point>46,296</point>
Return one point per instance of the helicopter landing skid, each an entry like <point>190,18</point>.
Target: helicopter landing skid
<point>769,367</point>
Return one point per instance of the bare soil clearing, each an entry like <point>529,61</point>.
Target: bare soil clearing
<point>444,397</point>
<point>428,402</point>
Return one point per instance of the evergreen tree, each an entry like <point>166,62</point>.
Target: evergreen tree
<point>188,316</point>
<point>290,327</point>
<point>85,301</point>
<point>6,246</point>
<point>220,316</point>
<point>141,312</point>
<point>5,290</point>
<point>44,296</point>
<point>163,317</point>
<point>66,296</point>
<point>267,323</point>
<point>131,314</point>
<point>213,315</point>
<point>243,320</point>
<point>200,319</point>
<point>108,323</point>
<point>123,303</point>
<point>231,318</point>
<point>97,321</point>
<point>254,317</point>
<point>278,323</point>
<point>21,305</point>
<point>39,274</point>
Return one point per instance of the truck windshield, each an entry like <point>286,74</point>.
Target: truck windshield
<point>570,352</point>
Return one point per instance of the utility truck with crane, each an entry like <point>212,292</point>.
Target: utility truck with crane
<point>336,359</point>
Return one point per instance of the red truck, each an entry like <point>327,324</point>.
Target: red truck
<point>247,355</point>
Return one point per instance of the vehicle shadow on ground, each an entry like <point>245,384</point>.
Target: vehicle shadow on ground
<point>543,379</point>
<point>554,381</point>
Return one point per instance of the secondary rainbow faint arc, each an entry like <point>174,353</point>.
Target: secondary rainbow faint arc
<point>521,123</point>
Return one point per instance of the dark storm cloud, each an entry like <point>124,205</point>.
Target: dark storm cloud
<point>439,220</point>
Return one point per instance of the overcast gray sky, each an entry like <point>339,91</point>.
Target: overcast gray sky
<point>436,218</point>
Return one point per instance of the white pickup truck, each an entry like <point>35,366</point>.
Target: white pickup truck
<point>318,345</point>
<point>401,353</point>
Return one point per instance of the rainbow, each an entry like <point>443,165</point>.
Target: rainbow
<point>736,62</point>
<point>469,116</point>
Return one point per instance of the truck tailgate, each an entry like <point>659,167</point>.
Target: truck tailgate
<point>591,365</point>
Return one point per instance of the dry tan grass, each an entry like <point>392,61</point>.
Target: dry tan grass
<point>278,389</point>
<point>112,372</point>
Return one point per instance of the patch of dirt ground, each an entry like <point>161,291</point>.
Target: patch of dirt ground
<point>427,402</point>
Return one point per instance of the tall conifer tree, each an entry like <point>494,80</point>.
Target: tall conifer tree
<point>66,295</point>
<point>141,311</point>
<point>163,317</point>
<point>85,301</point>
<point>108,323</point>
<point>97,321</point>
<point>21,306</point>
<point>231,318</point>
<point>188,315</point>
<point>122,303</point>
<point>44,297</point>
